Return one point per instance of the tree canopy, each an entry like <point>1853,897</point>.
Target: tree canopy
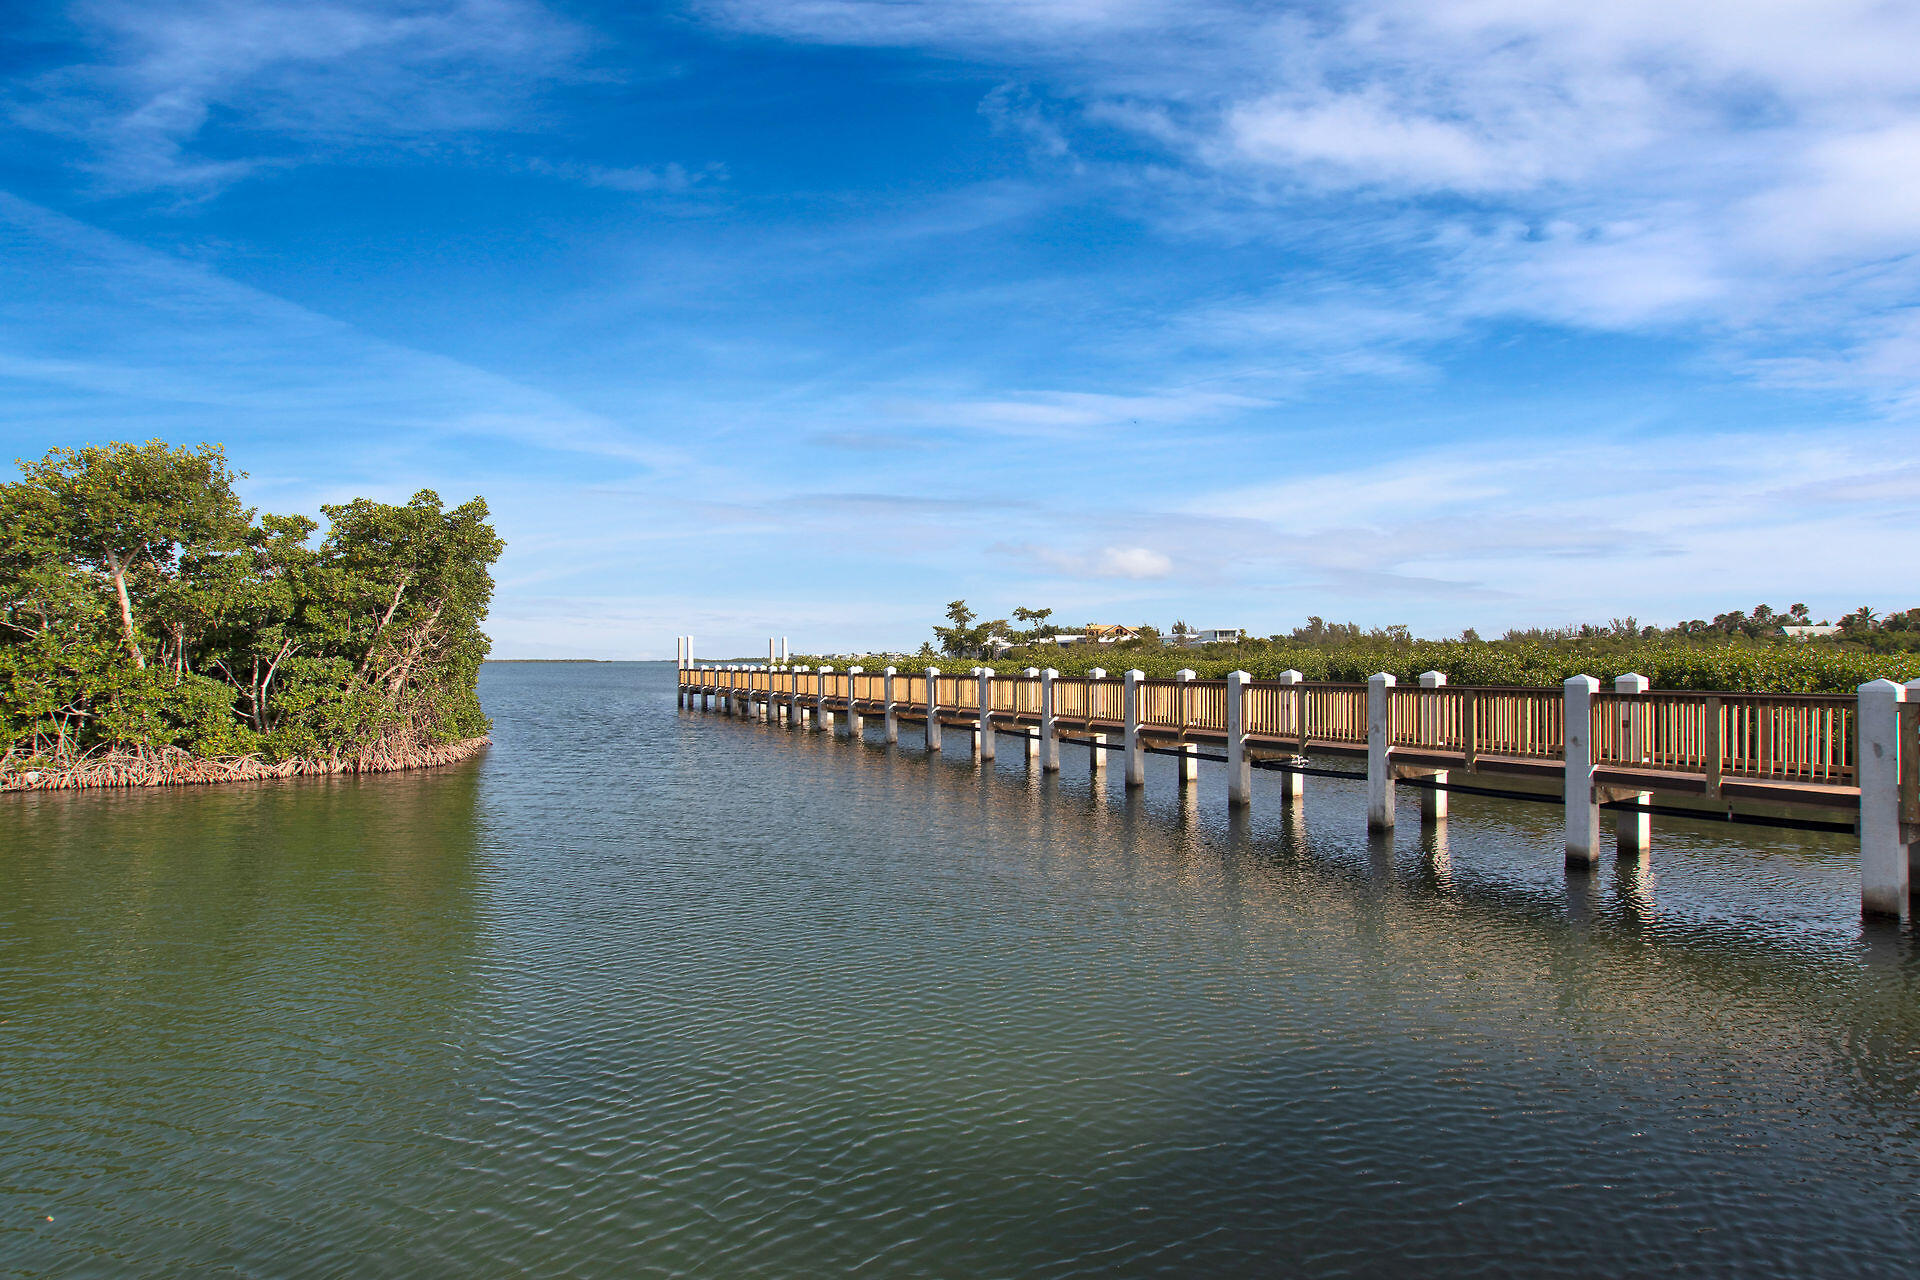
<point>142,607</point>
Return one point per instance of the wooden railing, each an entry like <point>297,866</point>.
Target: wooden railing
<point>1778,737</point>
<point>1336,712</point>
<point>1806,739</point>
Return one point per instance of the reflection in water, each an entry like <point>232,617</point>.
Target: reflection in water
<point>657,992</point>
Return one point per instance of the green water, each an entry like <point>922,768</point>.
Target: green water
<point>646,992</point>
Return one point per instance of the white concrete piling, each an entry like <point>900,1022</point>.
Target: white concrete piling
<point>1032,739</point>
<point>1293,786</point>
<point>892,721</point>
<point>1239,767</point>
<point>1433,803</point>
<point>1582,806</point>
<point>933,708</point>
<point>1049,744</point>
<point>1884,871</point>
<point>855,724</point>
<point>822,718</point>
<point>1096,742</point>
<point>1379,753</point>
<point>1135,749</point>
<point>1911,823</point>
<point>1189,751</point>
<point>1633,832</point>
<point>983,727</point>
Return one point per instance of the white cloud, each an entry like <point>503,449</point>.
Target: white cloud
<point>1558,523</point>
<point>1068,414</point>
<point>293,73</point>
<point>1750,168</point>
<point>1136,563</point>
<point>1131,562</point>
<point>1362,137</point>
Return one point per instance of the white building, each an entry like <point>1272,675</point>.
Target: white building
<point>1218,635</point>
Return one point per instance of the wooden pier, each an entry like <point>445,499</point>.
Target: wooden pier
<point>1832,762</point>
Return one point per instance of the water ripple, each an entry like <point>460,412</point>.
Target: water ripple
<point>645,992</point>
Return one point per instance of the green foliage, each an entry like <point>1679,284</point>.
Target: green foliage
<point>142,607</point>
<point>966,638</point>
<point>1725,665</point>
<point>1737,651</point>
<point>1729,666</point>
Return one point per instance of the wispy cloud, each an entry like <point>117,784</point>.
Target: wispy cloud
<point>188,96</point>
<point>1135,563</point>
<point>670,179</point>
<point>1632,167</point>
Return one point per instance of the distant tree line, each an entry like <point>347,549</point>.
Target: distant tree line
<point>143,608</point>
<point>967,636</point>
<point>1736,650</point>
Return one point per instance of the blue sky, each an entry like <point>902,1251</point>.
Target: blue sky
<point>805,317</point>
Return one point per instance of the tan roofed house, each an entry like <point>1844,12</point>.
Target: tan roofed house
<point>1110,635</point>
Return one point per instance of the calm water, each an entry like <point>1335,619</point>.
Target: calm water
<point>645,992</point>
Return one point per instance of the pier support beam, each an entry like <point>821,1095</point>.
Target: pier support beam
<point>1135,750</point>
<point>822,718</point>
<point>1379,752</point>
<point>1032,739</point>
<point>1096,742</point>
<point>1583,809</point>
<point>933,708</point>
<point>983,730</point>
<point>1239,768</point>
<point>1189,751</point>
<point>1910,779</point>
<point>1049,744</point>
<point>1884,873</point>
<point>1293,786</point>
<point>855,724</point>
<point>1632,832</point>
<point>1433,804</point>
<point>892,721</point>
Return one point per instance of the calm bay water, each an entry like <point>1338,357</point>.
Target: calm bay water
<point>645,992</point>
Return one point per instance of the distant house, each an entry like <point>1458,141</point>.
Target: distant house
<point>1218,635</point>
<point>1060,639</point>
<point>998,646</point>
<point>1110,635</point>
<point>1808,633</point>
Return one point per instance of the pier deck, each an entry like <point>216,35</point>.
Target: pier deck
<point>1853,760</point>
